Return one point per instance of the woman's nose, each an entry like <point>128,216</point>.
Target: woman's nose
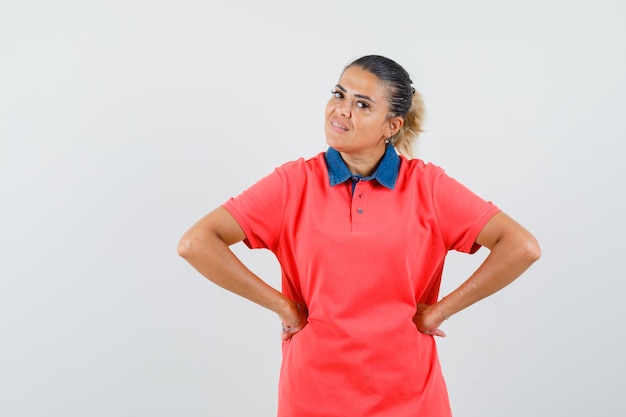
<point>344,109</point>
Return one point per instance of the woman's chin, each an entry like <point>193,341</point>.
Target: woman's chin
<point>333,142</point>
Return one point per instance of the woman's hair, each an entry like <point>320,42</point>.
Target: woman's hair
<point>404,101</point>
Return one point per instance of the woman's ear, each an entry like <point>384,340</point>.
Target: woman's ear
<point>394,125</point>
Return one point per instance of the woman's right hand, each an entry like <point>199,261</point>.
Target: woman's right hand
<point>293,319</point>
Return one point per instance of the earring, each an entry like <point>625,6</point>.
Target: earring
<point>387,140</point>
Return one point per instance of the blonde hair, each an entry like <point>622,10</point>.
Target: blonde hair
<point>404,141</point>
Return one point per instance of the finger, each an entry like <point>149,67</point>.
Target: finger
<point>435,332</point>
<point>284,336</point>
<point>288,331</point>
<point>438,332</point>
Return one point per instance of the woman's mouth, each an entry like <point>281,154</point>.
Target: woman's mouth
<point>338,126</point>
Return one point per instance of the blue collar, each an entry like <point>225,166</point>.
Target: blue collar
<point>386,173</point>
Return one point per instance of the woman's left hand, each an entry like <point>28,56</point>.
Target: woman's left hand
<point>427,319</point>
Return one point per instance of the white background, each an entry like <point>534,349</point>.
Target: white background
<point>123,122</point>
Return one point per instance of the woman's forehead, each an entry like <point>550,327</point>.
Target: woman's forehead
<point>359,81</point>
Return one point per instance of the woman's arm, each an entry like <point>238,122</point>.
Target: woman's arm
<point>513,250</point>
<point>206,247</point>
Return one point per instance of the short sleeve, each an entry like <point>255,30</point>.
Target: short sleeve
<point>461,214</point>
<point>259,210</point>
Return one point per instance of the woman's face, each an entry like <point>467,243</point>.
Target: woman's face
<point>357,115</point>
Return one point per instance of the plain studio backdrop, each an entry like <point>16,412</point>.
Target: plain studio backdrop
<point>124,122</point>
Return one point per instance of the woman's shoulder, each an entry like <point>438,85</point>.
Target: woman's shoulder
<point>419,169</point>
<point>304,166</point>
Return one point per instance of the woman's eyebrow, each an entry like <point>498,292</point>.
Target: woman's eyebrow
<point>356,95</point>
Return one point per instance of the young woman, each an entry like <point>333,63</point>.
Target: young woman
<point>361,234</point>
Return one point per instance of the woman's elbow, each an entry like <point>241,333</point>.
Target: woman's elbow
<point>183,248</point>
<point>214,231</point>
<point>532,249</point>
<point>186,246</point>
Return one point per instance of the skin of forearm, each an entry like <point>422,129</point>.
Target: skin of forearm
<point>507,260</point>
<point>212,258</point>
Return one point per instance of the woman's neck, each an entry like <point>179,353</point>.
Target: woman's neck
<point>362,165</point>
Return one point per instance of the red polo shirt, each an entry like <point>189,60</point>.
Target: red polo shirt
<point>361,254</point>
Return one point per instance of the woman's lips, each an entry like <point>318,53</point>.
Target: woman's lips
<point>335,124</point>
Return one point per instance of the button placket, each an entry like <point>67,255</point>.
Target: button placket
<point>359,207</point>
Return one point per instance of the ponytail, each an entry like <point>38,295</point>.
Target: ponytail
<point>406,137</point>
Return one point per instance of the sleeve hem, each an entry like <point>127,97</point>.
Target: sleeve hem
<point>470,246</point>
<point>239,218</point>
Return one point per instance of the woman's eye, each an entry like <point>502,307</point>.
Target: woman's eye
<point>337,94</point>
<point>362,104</point>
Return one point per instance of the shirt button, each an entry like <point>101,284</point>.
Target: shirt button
<point>360,211</point>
